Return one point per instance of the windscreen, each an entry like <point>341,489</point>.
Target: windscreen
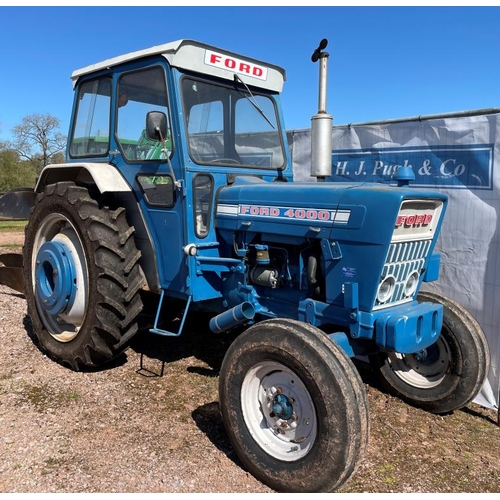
<point>228,125</point>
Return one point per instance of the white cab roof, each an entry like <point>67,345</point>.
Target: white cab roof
<point>201,58</point>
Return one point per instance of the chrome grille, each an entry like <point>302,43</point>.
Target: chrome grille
<point>403,258</point>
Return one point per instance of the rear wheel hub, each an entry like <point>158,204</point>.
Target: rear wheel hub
<point>54,278</point>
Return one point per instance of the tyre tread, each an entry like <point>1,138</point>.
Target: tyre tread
<point>119,278</point>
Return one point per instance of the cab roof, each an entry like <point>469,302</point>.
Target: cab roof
<point>201,58</point>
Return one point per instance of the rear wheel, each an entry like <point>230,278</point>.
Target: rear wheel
<point>81,277</point>
<point>448,374</point>
<point>294,407</point>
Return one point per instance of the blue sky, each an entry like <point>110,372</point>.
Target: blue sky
<point>385,62</point>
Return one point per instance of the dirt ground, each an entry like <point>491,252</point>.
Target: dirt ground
<point>13,238</point>
<point>151,423</point>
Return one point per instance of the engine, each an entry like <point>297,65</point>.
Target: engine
<point>352,246</point>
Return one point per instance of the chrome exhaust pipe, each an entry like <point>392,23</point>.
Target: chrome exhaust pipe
<point>321,123</point>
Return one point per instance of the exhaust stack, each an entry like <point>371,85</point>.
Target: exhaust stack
<point>321,123</point>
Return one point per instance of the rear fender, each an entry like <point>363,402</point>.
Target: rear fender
<point>105,176</point>
<point>108,179</point>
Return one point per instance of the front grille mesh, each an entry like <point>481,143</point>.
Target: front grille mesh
<point>403,258</point>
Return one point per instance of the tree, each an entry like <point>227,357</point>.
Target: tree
<point>38,141</point>
<point>13,172</point>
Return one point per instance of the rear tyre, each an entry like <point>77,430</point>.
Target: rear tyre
<point>294,407</point>
<point>448,374</point>
<point>81,277</point>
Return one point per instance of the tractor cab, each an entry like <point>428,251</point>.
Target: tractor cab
<point>174,124</point>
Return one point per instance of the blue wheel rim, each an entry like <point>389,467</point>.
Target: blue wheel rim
<point>54,278</point>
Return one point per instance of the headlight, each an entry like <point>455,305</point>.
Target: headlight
<point>411,284</point>
<point>386,289</point>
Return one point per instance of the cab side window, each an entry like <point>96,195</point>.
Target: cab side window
<point>90,134</point>
<point>203,186</point>
<point>138,93</point>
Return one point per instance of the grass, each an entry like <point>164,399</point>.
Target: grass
<point>43,396</point>
<point>12,226</point>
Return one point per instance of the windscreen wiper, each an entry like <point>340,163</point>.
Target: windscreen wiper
<point>252,100</point>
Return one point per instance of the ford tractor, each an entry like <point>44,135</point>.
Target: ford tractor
<point>178,187</point>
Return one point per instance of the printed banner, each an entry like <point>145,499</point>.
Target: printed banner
<point>465,167</point>
<point>457,155</point>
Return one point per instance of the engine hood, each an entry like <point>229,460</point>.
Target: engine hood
<point>313,210</point>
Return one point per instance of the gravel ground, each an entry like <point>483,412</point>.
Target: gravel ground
<point>123,429</point>
<point>128,429</point>
<point>117,430</point>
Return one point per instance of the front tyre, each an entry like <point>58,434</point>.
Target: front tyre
<point>81,277</point>
<point>448,374</point>
<point>294,407</point>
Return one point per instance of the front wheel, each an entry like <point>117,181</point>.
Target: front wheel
<point>81,277</point>
<point>294,407</point>
<point>448,374</point>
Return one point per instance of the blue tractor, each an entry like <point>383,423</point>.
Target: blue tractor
<point>178,185</point>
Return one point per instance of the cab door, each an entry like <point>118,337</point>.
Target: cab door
<point>148,164</point>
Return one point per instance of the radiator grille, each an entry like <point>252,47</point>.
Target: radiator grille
<point>403,258</point>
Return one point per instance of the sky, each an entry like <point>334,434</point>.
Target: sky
<point>385,62</point>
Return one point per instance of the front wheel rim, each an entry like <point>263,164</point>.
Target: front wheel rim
<point>278,411</point>
<point>424,369</point>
